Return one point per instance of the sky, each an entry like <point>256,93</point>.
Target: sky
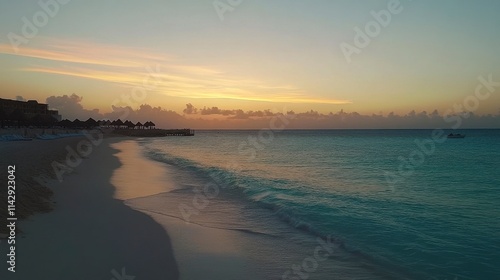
<point>209,61</point>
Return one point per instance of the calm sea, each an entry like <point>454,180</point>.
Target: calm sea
<point>397,204</point>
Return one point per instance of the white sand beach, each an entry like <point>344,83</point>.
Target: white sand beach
<point>89,234</point>
<point>93,233</point>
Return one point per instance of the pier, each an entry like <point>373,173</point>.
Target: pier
<point>154,132</point>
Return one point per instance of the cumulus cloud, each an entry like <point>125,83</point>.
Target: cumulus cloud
<point>216,111</point>
<point>346,120</point>
<point>190,109</point>
<point>70,107</point>
<point>230,113</point>
<point>161,117</point>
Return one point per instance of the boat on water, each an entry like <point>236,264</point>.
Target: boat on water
<point>458,135</point>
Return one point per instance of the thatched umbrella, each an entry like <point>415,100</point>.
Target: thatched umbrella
<point>119,123</point>
<point>90,123</point>
<point>107,123</point>
<point>129,124</point>
<point>77,123</point>
<point>65,123</point>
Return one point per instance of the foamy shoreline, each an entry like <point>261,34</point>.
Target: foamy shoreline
<point>201,252</point>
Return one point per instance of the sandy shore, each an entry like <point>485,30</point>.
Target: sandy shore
<point>89,234</point>
<point>99,227</point>
<point>201,252</point>
<point>32,159</point>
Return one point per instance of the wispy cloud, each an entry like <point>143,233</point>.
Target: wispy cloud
<point>126,67</point>
<point>82,53</point>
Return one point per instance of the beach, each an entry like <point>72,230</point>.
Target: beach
<point>304,189</point>
<point>249,140</point>
<point>168,208</point>
<point>89,234</point>
<point>87,230</point>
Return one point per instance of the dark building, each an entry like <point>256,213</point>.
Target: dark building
<point>29,108</point>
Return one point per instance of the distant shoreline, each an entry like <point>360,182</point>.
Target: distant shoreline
<point>54,133</point>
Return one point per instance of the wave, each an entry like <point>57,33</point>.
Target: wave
<point>277,195</point>
<point>286,200</point>
<point>244,230</point>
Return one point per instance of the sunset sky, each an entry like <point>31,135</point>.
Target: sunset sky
<point>257,55</point>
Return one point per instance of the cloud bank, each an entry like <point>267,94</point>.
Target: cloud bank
<point>70,107</point>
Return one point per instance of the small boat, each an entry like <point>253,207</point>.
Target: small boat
<point>458,135</point>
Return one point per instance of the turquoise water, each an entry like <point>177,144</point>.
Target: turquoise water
<point>394,208</point>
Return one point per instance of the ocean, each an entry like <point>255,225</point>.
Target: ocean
<point>391,204</point>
